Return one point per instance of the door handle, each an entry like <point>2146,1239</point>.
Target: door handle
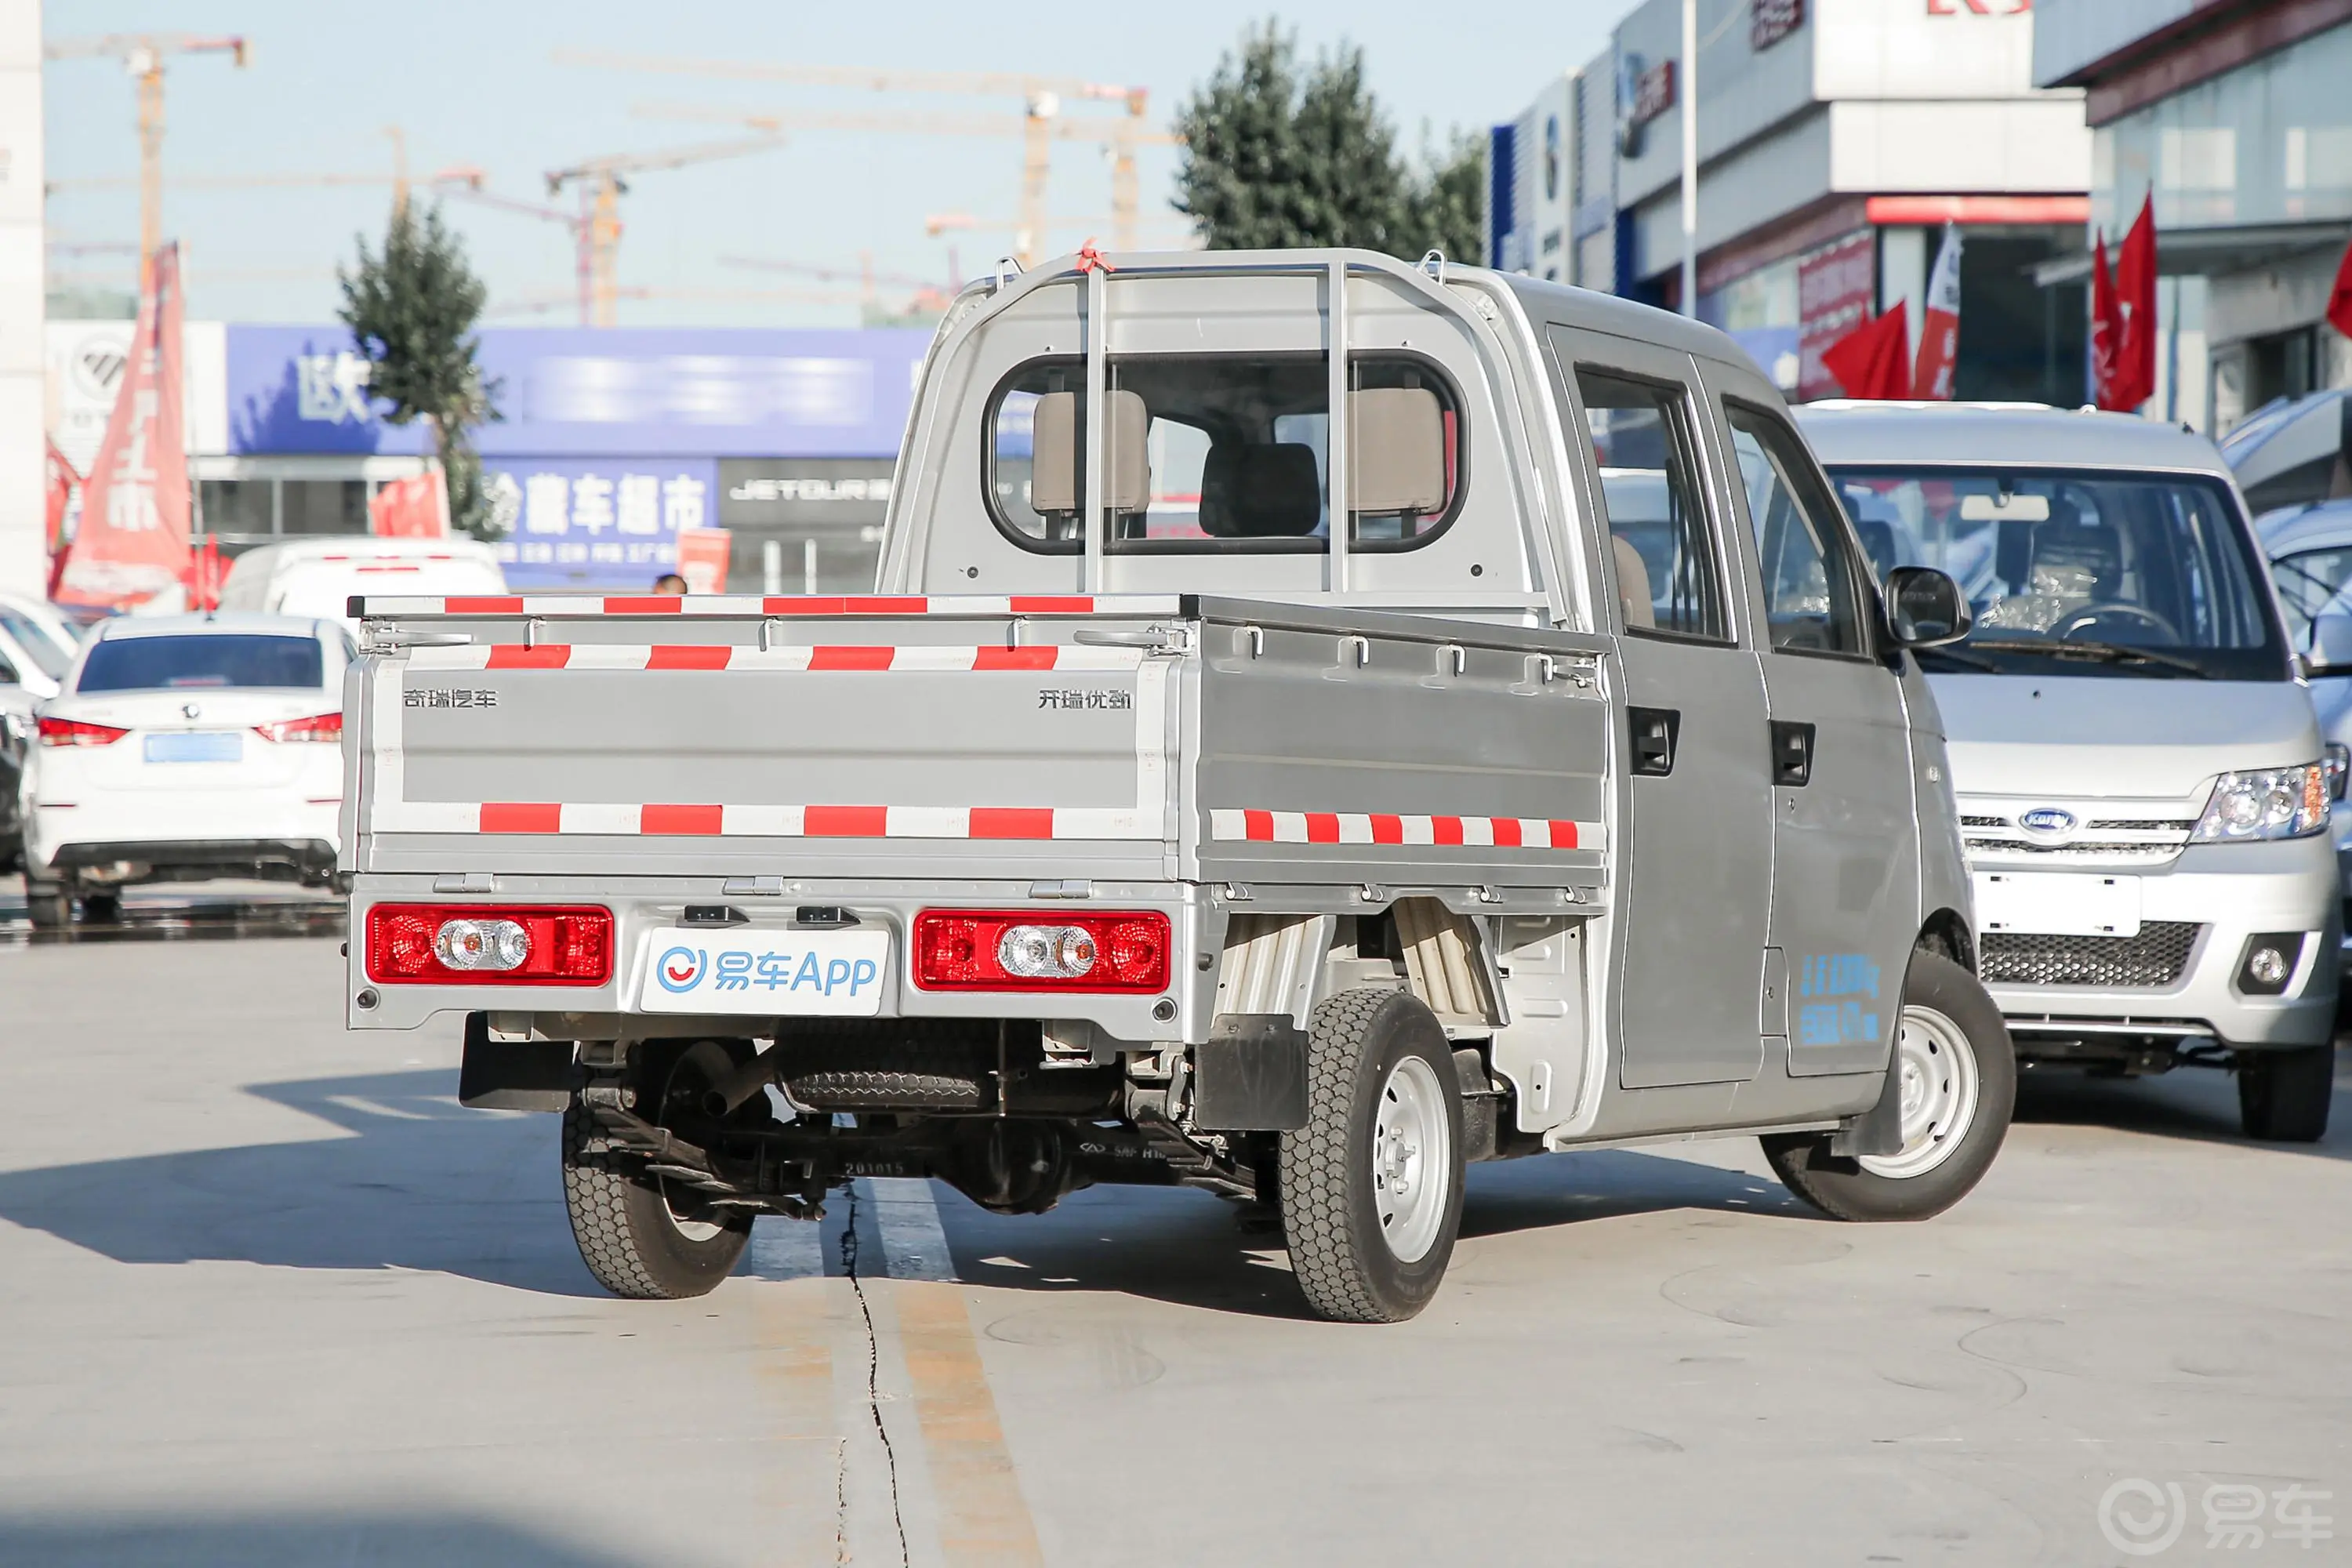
<point>1655,732</point>
<point>1793,752</point>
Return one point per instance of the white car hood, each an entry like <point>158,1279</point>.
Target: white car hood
<point>2120,736</point>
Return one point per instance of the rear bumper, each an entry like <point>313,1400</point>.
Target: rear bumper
<point>290,860</point>
<point>2229,893</point>
<point>223,832</point>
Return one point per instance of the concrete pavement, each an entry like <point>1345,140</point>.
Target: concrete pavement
<point>268,1295</point>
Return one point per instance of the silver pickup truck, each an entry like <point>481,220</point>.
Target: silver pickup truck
<point>1148,827</point>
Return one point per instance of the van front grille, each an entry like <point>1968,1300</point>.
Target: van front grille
<point>2155,957</point>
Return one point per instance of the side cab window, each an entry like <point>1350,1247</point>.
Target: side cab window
<point>1669,577</point>
<point>1812,581</point>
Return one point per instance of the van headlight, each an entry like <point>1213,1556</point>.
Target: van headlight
<point>2266,803</point>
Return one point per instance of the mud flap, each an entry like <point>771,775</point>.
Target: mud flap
<point>1250,1075</point>
<point>513,1075</point>
<point>1879,1130</point>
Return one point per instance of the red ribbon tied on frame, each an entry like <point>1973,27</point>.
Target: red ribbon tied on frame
<point>1089,258</point>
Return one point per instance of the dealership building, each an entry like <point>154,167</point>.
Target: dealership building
<point>608,442</point>
<point>1836,140</point>
<point>2236,115</point>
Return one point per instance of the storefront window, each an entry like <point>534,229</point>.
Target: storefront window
<point>324,506</point>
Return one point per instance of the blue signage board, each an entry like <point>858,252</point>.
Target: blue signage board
<point>603,524</point>
<point>574,391</point>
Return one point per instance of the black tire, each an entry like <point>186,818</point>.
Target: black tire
<point>101,909</point>
<point>641,1238</point>
<point>1346,1264</point>
<point>48,905</point>
<point>1950,1013</point>
<point>2283,1096</point>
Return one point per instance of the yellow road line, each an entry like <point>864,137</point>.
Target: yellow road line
<point>983,1516</point>
<point>796,1329</point>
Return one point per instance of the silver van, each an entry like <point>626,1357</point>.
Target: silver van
<point>2143,790</point>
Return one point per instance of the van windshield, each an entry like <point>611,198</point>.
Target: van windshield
<point>2116,574</point>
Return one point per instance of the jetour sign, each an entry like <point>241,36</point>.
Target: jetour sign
<point>1769,21</point>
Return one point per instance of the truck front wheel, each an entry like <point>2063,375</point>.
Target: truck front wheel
<point>642,1236</point>
<point>1372,1186</point>
<point>1956,1072</point>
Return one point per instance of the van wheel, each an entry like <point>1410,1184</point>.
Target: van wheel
<point>1959,1085</point>
<point>642,1236</point>
<point>1372,1186</point>
<point>2283,1095</point>
<point>48,905</point>
<point>101,909</point>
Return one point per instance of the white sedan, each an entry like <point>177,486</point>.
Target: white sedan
<point>182,749</point>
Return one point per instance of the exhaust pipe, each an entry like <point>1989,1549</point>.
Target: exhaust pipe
<point>726,1096</point>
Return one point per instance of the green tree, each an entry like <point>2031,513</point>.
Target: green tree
<point>1277,156</point>
<point>412,310</point>
<point>1447,204</point>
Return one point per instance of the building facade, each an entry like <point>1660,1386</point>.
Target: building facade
<point>1837,138</point>
<point>2236,117</point>
<point>24,544</point>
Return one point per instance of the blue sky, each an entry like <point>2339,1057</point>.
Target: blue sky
<point>475,84</point>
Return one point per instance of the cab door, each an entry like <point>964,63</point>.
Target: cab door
<point>1695,885</point>
<point>1845,881</point>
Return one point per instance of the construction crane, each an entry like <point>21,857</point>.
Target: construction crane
<point>142,55</point>
<point>601,187</point>
<point>930,296</point>
<point>1120,135</point>
<point>1041,101</point>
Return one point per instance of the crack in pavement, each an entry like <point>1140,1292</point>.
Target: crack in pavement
<point>873,1397</point>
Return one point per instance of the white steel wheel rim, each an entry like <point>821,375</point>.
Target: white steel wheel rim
<point>1938,1083</point>
<point>1412,1160</point>
<point>696,1230</point>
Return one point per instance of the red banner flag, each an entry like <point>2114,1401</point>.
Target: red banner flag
<point>61,479</point>
<point>415,508</point>
<point>1868,361</point>
<point>2136,294</point>
<point>2107,333</point>
<point>2339,298</point>
<point>134,540</point>
<point>1939,323</point>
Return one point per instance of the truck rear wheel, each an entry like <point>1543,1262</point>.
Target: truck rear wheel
<point>642,1236</point>
<point>1372,1186</point>
<point>2283,1095</point>
<point>1957,1079</point>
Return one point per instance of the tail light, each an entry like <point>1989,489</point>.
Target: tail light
<point>319,727</point>
<point>75,733</point>
<point>1025,950</point>
<point>460,944</point>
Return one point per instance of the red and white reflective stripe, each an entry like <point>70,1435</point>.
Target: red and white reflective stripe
<point>721,655</point>
<point>752,605</point>
<point>1376,827</point>
<point>690,820</point>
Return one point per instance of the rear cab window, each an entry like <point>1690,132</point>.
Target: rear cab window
<point>1224,453</point>
<point>204,661</point>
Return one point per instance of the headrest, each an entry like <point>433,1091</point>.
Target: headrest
<point>1054,462</point>
<point>1260,492</point>
<point>1396,443</point>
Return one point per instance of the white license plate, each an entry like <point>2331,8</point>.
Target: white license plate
<point>821,973</point>
<point>2057,903</point>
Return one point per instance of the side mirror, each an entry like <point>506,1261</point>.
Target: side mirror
<point>2330,648</point>
<point>1924,607</point>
